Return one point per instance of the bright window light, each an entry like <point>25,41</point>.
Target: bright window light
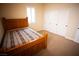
<point>31,15</point>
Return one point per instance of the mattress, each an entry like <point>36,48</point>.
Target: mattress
<point>18,37</point>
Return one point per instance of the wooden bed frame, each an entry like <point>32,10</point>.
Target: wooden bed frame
<point>26,49</point>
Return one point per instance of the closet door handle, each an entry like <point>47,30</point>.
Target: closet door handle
<point>66,25</point>
<point>77,28</point>
<point>56,24</point>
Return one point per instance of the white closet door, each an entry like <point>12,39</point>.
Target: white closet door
<point>51,21</point>
<point>77,34</point>
<point>63,16</point>
<point>56,21</point>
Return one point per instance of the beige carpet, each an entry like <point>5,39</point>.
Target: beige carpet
<point>59,46</point>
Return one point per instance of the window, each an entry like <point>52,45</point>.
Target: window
<point>31,15</point>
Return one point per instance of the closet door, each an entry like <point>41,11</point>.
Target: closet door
<point>51,21</point>
<point>56,21</point>
<point>63,17</point>
<point>77,35</point>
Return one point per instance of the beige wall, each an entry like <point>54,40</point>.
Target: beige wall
<point>73,16</point>
<point>19,11</point>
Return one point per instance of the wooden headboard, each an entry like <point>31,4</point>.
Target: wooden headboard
<point>9,24</point>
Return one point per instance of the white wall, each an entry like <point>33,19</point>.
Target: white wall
<point>57,14</point>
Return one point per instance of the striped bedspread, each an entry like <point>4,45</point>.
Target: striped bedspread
<point>19,37</point>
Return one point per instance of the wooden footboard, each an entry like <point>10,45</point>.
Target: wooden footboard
<point>30,48</point>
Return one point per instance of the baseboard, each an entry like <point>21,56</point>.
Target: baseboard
<point>69,38</point>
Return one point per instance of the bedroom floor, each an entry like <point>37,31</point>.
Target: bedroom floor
<point>59,46</point>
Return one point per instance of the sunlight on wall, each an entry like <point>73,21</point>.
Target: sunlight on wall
<point>31,15</point>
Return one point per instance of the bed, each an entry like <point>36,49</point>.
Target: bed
<point>19,39</point>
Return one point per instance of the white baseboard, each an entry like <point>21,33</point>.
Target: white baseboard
<point>69,38</point>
